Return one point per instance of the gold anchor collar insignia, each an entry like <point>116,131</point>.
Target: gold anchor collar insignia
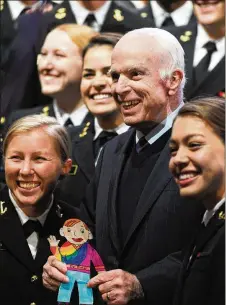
<point>61,13</point>
<point>45,110</point>
<point>84,131</point>
<point>117,15</point>
<point>186,36</point>
<point>221,215</point>
<point>3,209</point>
<point>1,5</point>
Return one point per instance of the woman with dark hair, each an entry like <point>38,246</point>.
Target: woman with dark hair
<point>197,163</point>
<point>88,140</point>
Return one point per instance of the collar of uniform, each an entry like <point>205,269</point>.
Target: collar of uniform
<point>16,8</point>
<point>203,38</point>
<point>180,16</point>
<point>119,129</point>
<point>209,213</point>
<point>24,218</point>
<point>77,116</point>
<point>160,129</point>
<point>81,12</point>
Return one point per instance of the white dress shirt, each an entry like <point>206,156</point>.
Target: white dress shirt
<point>80,13</point>
<point>32,240</point>
<point>160,129</point>
<point>209,213</point>
<point>119,130</point>
<point>180,16</point>
<point>77,116</point>
<point>16,7</point>
<point>200,51</point>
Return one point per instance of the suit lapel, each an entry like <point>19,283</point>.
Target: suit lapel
<point>11,233</point>
<point>152,190</point>
<point>214,81</point>
<point>82,151</point>
<point>52,224</point>
<point>187,39</point>
<point>207,233</point>
<point>120,158</point>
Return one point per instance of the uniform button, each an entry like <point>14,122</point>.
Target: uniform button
<point>33,303</point>
<point>33,279</point>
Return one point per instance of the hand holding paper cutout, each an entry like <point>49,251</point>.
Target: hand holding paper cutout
<point>77,253</point>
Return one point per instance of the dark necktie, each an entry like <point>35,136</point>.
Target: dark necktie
<point>31,226</point>
<point>103,138</point>
<point>202,68</point>
<point>90,20</point>
<point>168,22</point>
<point>68,123</point>
<point>141,144</point>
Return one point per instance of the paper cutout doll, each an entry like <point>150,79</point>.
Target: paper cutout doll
<point>77,253</point>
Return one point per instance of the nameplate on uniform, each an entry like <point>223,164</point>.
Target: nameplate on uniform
<point>73,170</point>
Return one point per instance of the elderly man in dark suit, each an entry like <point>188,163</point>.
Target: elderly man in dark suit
<point>133,204</point>
<point>204,46</point>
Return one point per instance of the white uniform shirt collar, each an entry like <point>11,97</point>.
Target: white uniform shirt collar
<point>160,129</point>
<point>200,51</point>
<point>180,16</point>
<point>24,218</point>
<point>209,213</point>
<point>119,129</point>
<point>77,116</point>
<point>81,13</point>
<point>16,8</point>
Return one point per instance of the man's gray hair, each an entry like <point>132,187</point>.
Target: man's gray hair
<point>170,46</point>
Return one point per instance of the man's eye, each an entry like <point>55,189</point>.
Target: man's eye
<point>135,74</point>
<point>59,55</point>
<point>39,158</point>
<point>115,76</point>
<point>14,157</point>
<point>194,145</point>
<point>172,150</point>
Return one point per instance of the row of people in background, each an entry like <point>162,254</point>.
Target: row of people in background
<point>133,205</point>
<point>201,35</point>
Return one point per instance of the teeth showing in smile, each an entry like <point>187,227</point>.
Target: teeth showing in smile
<point>130,103</point>
<point>186,176</point>
<point>101,96</point>
<point>28,185</point>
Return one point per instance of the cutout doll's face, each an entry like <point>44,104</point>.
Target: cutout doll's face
<point>77,234</point>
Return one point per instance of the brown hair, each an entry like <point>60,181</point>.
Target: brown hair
<point>79,34</point>
<point>71,222</point>
<point>209,109</point>
<point>102,39</point>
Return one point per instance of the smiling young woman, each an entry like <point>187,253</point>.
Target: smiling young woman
<point>197,163</point>
<point>36,154</point>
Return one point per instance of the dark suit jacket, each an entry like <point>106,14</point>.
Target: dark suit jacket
<point>21,92</point>
<point>20,274</point>
<point>162,223</point>
<point>213,83</point>
<point>202,278</point>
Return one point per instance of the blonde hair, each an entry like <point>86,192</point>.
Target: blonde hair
<point>79,34</point>
<point>49,125</point>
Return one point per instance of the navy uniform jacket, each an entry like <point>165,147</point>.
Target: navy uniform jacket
<point>21,92</point>
<point>213,83</point>
<point>202,277</point>
<point>163,223</point>
<point>20,274</point>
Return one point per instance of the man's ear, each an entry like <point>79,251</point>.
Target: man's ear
<point>174,81</point>
<point>66,167</point>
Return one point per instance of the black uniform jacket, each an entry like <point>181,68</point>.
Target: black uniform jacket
<point>20,274</point>
<point>202,278</point>
<point>162,223</point>
<point>213,83</point>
